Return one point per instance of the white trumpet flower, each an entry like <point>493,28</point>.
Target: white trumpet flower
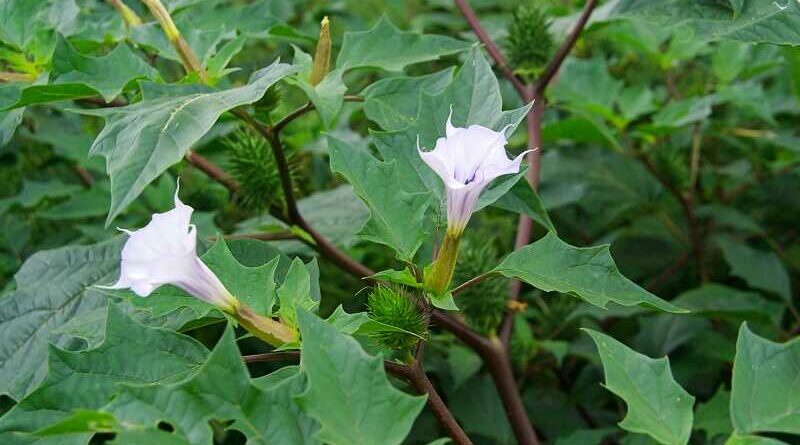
<point>165,252</point>
<point>467,160</point>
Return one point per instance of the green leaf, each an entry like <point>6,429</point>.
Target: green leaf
<point>23,22</point>
<point>585,437</point>
<point>735,439</point>
<point>404,277</point>
<point>764,396</point>
<point>657,405</point>
<point>295,293</point>
<point>327,96</point>
<point>717,300</point>
<point>75,75</point>
<point>253,285</point>
<point>220,390</point>
<point>714,416</point>
<point>729,217</point>
<point>661,334</point>
<point>88,379</point>
<point>52,287</point>
<point>86,203</point>
<point>524,200</point>
<point>587,84</point>
<point>588,273</point>
<point>203,41</point>
<point>393,103</point>
<point>348,392</point>
<point>385,46</point>
<point>396,214</point>
<point>761,270</point>
<point>9,120</point>
<point>684,112</point>
<point>636,101</point>
<point>217,64</point>
<point>755,22</point>
<point>108,74</point>
<point>142,140</point>
<point>35,192</point>
<point>463,363</point>
<point>154,436</point>
<point>271,412</point>
<point>478,407</point>
<point>729,59</point>
<point>474,96</point>
<point>347,323</point>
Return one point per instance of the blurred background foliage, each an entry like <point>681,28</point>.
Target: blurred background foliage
<point>680,151</point>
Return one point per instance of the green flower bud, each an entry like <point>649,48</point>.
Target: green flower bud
<point>529,43</point>
<point>397,308</point>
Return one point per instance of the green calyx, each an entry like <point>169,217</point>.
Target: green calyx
<point>398,309</point>
<point>440,273</point>
<point>529,43</point>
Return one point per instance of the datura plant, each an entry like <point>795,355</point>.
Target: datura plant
<point>385,223</point>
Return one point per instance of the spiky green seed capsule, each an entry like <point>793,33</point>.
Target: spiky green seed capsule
<point>529,43</point>
<point>395,307</point>
<point>268,103</point>
<point>484,303</point>
<point>253,167</point>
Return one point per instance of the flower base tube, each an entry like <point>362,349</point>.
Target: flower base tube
<point>264,328</point>
<point>440,272</point>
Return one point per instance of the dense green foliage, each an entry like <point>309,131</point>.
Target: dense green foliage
<point>657,297</point>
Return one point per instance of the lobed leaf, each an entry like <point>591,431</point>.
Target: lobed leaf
<point>385,46</point>
<point>348,392</point>
<point>142,140</point>
<point>588,273</point>
<point>765,395</point>
<point>657,405</point>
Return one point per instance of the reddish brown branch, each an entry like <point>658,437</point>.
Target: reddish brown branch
<point>469,283</point>
<point>534,124</point>
<point>555,63</point>
<point>84,175</point>
<point>491,47</point>
<point>286,120</point>
<point>495,355</point>
<point>416,376</point>
<point>212,170</point>
<point>667,273</point>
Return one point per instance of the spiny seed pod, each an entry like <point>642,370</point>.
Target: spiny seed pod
<point>253,167</point>
<point>672,163</point>
<point>395,307</point>
<point>529,43</point>
<point>484,303</point>
<point>268,103</point>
